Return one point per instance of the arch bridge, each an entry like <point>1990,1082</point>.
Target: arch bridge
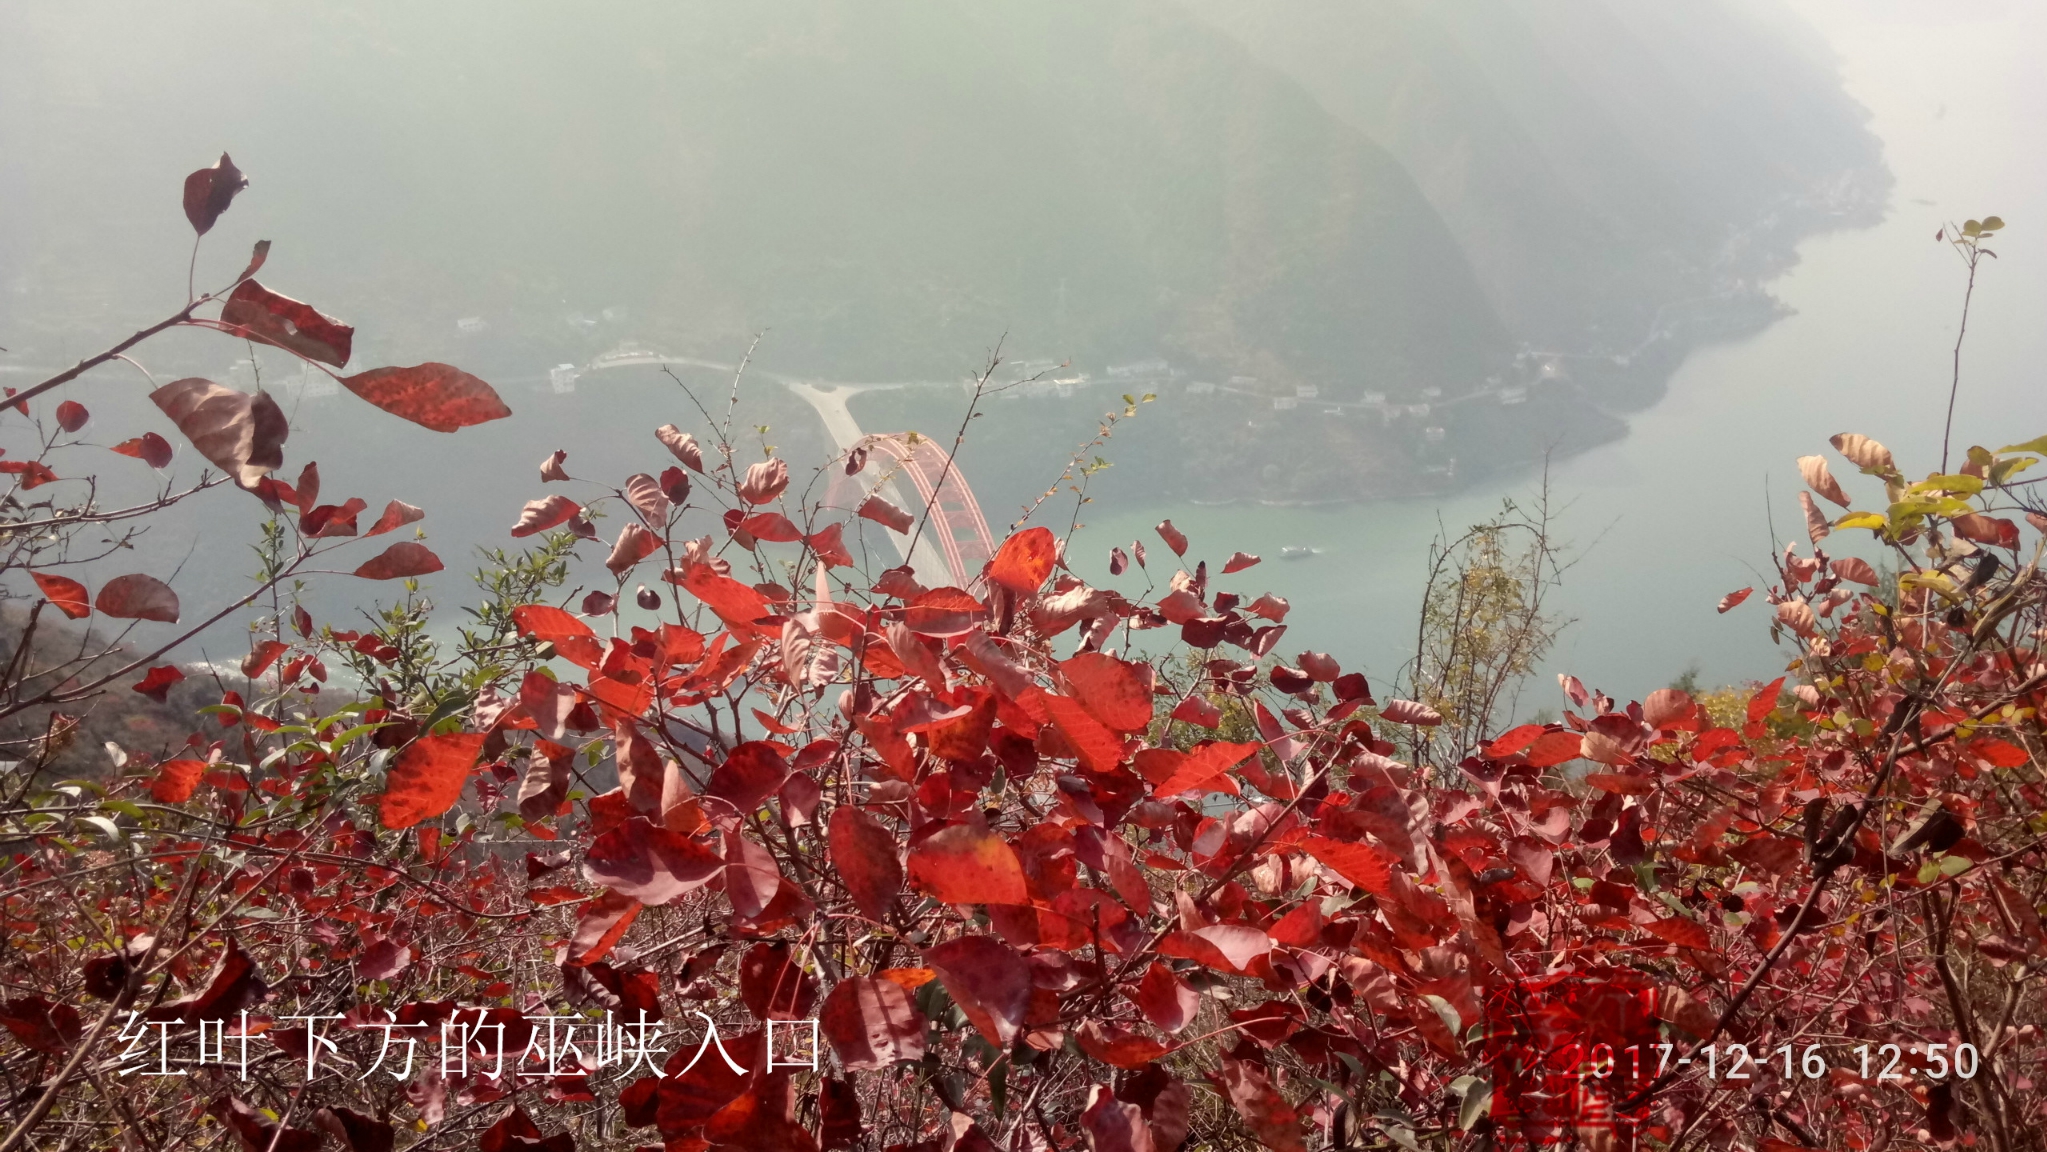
<point>949,542</point>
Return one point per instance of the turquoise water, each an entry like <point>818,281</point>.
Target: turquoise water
<point>1678,513</point>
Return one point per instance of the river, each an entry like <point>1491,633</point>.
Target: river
<point>1676,514</point>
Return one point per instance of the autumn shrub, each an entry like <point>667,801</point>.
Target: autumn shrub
<point>1050,865</point>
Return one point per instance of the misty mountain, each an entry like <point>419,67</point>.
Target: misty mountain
<point>1348,218</point>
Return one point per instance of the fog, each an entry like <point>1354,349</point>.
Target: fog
<point>1410,250</point>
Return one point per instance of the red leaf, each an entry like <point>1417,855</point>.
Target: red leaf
<point>967,864</point>
<point>138,597</point>
<point>830,545</point>
<point>1174,538</point>
<point>634,544</point>
<point>1321,667</point>
<point>752,878</point>
<point>158,683</point>
<point>1238,561</point>
<point>149,448</point>
<point>944,612</point>
<point>176,780</point>
<point>773,985</point>
<point>65,594</point>
<point>437,396</point>
<point>864,855</point>
<point>649,863</point>
<point>1680,931</point>
<point>1734,598</point>
<point>1117,692</point>
<point>1118,1045</point>
<point>1113,1125</point>
<point>1099,749</point>
<point>1668,708</point>
<point>427,778</point>
<point>1202,767</point>
<point>1553,748</point>
<point>1853,568</point>
<point>1269,1116</point>
<point>1366,865</point>
<point>383,959</point>
<point>545,513</point>
<point>734,603</point>
<point>872,1024</point>
<point>1197,710</point>
<point>1994,530</point>
<point>241,434</point>
<point>71,416</point>
<point>772,527</point>
<point>396,515</point>
<point>1619,784</point>
<point>209,191</point>
<point>989,981</point>
<point>1024,560</point>
<point>355,1131</point>
<point>764,481</point>
<point>572,639</point>
<point>42,1026</point>
<point>256,313</point>
<point>1764,701</point>
<point>600,926</point>
<point>1999,753</point>
<point>682,445</point>
<point>1169,1002</point>
<point>750,774</point>
<point>262,656</point>
<point>886,514</point>
<point>1512,741</point>
<point>1410,712</point>
<point>232,985</point>
<point>547,774</point>
<point>33,473</point>
<point>400,560</point>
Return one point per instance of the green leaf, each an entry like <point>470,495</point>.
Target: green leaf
<point>2002,471</point>
<point>1862,520</point>
<point>1445,1012</point>
<point>1952,865</point>
<point>111,829</point>
<point>1477,1097</point>
<point>1938,581</point>
<point>2038,444</point>
<point>1992,223</point>
<point>1949,482</point>
<point>352,735</point>
<point>1398,1129</point>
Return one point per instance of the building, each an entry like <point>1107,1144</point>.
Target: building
<point>1307,391</point>
<point>1140,370</point>
<point>562,377</point>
